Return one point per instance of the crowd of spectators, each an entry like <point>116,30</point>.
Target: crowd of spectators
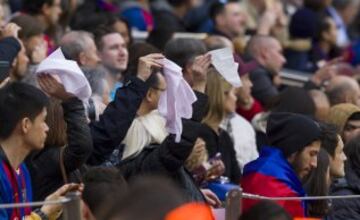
<point>155,109</point>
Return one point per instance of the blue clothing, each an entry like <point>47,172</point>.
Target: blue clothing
<point>272,175</point>
<point>135,18</point>
<point>7,192</point>
<point>113,91</point>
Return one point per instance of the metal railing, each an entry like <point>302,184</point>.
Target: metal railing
<point>71,205</point>
<point>294,78</point>
<point>234,201</point>
<point>233,206</point>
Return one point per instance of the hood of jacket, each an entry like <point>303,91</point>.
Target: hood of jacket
<point>260,121</point>
<point>351,181</point>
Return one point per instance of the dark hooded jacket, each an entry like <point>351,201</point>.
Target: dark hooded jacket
<point>348,209</point>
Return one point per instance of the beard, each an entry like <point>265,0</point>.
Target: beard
<point>298,167</point>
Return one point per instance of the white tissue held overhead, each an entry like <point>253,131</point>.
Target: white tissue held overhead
<point>69,73</point>
<point>224,63</point>
<point>176,102</point>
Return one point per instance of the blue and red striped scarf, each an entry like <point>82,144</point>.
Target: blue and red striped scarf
<point>15,187</point>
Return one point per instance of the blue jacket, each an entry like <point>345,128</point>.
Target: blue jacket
<point>272,175</point>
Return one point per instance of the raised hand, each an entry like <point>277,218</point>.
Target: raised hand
<point>326,72</point>
<point>200,68</point>
<point>148,63</point>
<point>211,198</point>
<point>52,87</point>
<point>217,170</point>
<point>11,30</point>
<point>55,209</point>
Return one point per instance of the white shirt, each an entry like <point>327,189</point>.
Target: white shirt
<point>342,36</point>
<point>244,138</point>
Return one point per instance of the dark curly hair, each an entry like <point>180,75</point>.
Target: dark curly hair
<point>33,7</point>
<point>329,138</point>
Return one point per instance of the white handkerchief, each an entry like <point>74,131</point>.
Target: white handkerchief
<point>223,61</point>
<point>176,102</point>
<point>68,72</point>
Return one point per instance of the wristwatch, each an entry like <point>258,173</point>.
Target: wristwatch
<point>42,215</point>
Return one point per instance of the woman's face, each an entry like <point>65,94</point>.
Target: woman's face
<point>230,101</point>
<point>331,35</point>
<point>244,92</point>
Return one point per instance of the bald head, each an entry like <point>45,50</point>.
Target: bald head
<point>259,43</point>
<point>343,89</point>
<point>217,42</point>
<point>80,47</point>
<point>267,51</point>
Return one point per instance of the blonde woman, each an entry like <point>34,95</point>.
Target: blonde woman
<point>217,140</point>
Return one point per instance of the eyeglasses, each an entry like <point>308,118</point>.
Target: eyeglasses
<point>160,89</point>
<point>350,127</point>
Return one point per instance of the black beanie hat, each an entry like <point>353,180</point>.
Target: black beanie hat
<point>291,132</point>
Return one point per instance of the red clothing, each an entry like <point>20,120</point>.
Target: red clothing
<point>50,44</point>
<point>249,114</point>
<point>272,175</point>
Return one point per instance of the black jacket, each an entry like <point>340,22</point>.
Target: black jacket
<point>111,129</point>
<point>222,143</point>
<point>346,209</point>
<point>167,159</point>
<point>263,88</point>
<point>44,166</point>
<point>199,107</point>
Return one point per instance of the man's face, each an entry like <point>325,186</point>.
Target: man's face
<point>91,58</point>
<point>36,131</point>
<point>53,12</point>
<point>337,161</point>
<point>114,54</point>
<point>306,160</point>
<point>273,57</point>
<point>351,129</point>
<point>234,19</point>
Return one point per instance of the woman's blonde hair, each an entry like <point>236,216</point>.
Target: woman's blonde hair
<point>216,89</point>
